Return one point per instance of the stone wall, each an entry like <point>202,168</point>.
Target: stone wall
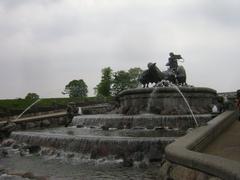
<point>172,171</point>
<point>97,109</point>
<point>43,123</point>
<point>186,150</point>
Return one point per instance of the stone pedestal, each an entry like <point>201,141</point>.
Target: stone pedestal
<point>166,100</point>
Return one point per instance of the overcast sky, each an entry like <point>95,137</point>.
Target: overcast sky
<point>44,44</point>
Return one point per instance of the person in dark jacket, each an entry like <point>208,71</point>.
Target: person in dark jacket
<point>238,103</point>
<point>72,110</point>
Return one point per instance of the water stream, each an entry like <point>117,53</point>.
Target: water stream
<point>165,83</point>
<point>20,115</point>
<point>150,99</point>
<point>186,102</point>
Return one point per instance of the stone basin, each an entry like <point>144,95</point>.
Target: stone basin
<point>166,100</point>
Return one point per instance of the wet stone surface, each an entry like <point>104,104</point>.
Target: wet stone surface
<point>49,163</point>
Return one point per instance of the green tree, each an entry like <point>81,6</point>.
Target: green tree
<point>134,74</point>
<point>32,96</point>
<point>76,88</point>
<point>121,81</point>
<point>104,87</point>
<point>125,80</point>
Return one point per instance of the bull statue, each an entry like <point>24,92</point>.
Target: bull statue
<point>175,74</point>
<point>154,75</point>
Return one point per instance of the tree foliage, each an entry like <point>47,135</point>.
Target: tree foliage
<point>76,88</point>
<point>104,87</point>
<point>121,81</point>
<point>31,96</point>
<point>134,74</point>
<point>125,80</point>
<point>113,82</point>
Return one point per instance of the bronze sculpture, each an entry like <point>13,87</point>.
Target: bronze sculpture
<point>173,61</point>
<point>175,73</point>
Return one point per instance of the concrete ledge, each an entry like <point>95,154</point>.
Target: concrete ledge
<point>42,121</point>
<point>37,118</point>
<point>182,122</point>
<point>166,89</point>
<point>184,150</point>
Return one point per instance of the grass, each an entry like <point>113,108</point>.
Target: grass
<point>10,107</point>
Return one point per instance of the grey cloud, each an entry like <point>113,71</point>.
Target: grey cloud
<point>225,12</point>
<point>45,44</point>
<point>219,13</point>
<point>11,4</point>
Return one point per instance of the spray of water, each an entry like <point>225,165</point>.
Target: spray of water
<point>150,99</point>
<point>186,102</point>
<point>165,83</point>
<point>20,115</point>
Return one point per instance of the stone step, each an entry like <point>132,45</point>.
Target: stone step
<point>118,120</point>
<point>97,146</point>
<point>113,132</point>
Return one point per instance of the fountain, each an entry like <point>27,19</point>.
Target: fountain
<point>147,120</point>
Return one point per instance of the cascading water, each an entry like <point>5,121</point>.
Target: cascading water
<point>163,83</point>
<point>20,115</point>
<point>151,99</point>
<point>80,110</point>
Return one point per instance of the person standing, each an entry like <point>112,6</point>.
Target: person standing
<point>72,110</point>
<point>238,103</point>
